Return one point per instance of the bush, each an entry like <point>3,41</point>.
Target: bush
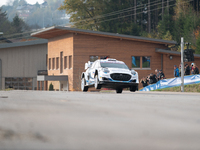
<point>51,87</point>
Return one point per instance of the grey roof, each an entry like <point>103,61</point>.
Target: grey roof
<point>27,43</point>
<point>173,52</point>
<point>105,33</point>
<point>5,40</point>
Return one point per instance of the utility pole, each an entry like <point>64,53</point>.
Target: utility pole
<point>182,65</point>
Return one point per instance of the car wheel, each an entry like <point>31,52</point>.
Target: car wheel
<point>133,88</point>
<point>83,87</point>
<point>96,83</point>
<point>119,90</point>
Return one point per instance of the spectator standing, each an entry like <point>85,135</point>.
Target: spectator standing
<point>144,82</point>
<point>157,74</point>
<point>176,71</point>
<point>192,68</point>
<point>187,70</point>
<point>195,68</point>
<point>162,75</point>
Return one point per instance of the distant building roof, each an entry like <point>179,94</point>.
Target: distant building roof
<point>4,40</point>
<point>58,31</point>
<point>27,43</point>
<point>163,51</point>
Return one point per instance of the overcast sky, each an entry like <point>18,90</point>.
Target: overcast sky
<point>4,2</point>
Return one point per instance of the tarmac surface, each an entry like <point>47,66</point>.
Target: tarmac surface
<point>44,120</point>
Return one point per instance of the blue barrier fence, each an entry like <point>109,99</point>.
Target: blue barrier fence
<point>166,83</point>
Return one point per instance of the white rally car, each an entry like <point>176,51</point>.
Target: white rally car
<point>109,73</point>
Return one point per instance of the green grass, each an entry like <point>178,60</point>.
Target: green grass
<point>187,88</point>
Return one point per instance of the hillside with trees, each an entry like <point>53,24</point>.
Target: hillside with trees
<point>37,15</point>
<point>161,19</point>
<point>18,18</point>
<point>12,29</point>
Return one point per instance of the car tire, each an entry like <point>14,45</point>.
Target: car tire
<point>119,90</point>
<point>84,88</point>
<point>133,88</point>
<point>96,83</point>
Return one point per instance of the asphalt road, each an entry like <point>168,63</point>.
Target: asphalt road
<point>39,120</point>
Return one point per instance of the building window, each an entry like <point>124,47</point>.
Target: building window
<point>65,62</point>
<point>46,60</point>
<point>53,63</point>
<point>70,62</point>
<point>141,62</point>
<point>61,62</point>
<point>19,83</point>
<point>135,61</point>
<point>146,62</point>
<point>94,58</point>
<point>57,62</point>
<point>49,63</point>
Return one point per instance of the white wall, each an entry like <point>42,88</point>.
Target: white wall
<point>23,61</point>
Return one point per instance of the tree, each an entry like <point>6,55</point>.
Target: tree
<point>191,23</point>
<point>181,8</point>
<point>19,26</point>
<point>5,25</point>
<point>2,16</point>
<point>84,14</point>
<point>51,87</point>
<point>197,51</point>
<point>185,23</point>
<point>119,18</point>
<point>165,25</point>
<point>116,16</point>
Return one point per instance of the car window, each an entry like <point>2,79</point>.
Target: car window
<point>114,65</point>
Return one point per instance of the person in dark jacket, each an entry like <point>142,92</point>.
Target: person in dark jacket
<point>144,82</point>
<point>187,70</point>
<point>195,69</point>
<point>152,78</point>
<point>161,75</point>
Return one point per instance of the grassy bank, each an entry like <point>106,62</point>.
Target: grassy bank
<point>187,88</point>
